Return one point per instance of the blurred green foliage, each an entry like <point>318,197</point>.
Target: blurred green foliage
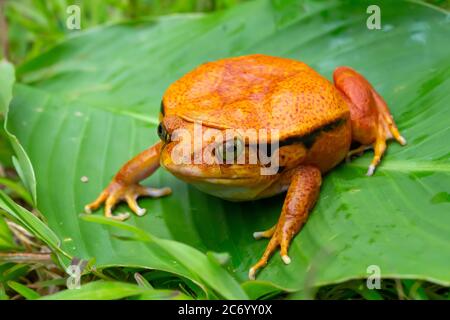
<point>35,25</point>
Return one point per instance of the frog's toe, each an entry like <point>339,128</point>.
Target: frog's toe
<point>357,152</point>
<point>277,239</point>
<point>401,140</point>
<point>111,201</point>
<point>286,259</point>
<point>134,192</point>
<point>89,208</point>
<point>252,273</point>
<point>300,198</point>
<point>132,203</point>
<point>264,234</point>
<point>271,247</point>
<point>371,170</point>
<point>118,216</point>
<point>156,193</point>
<point>117,192</point>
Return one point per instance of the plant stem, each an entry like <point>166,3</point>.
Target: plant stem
<point>4,31</point>
<point>26,257</point>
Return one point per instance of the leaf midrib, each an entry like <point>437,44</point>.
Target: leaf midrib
<point>408,166</point>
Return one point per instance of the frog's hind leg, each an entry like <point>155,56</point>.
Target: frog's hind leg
<point>300,199</point>
<point>371,120</point>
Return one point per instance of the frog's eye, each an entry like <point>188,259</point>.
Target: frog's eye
<point>230,150</point>
<point>162,133</point>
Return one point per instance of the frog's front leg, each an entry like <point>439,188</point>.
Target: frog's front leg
<point>300,199</point>
<point>125,185</point>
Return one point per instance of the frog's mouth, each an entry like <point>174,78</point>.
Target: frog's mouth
<point>215,174</point>
<point>218,174</point>
<point>242,186</point>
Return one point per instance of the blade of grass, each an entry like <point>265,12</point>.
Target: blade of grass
<point>6,236</point>
<point>18,188</point>
<point>99,290</point>
<point>21,162</point>
<point>414,290</point>
<point>48,283</point>
<point>141,281</point>
<point>10,271</point>
<point>29,221</point>
<point>7,79</point>
<point>3,295</point>
<point>23,290</point>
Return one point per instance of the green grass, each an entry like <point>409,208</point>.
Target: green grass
<point>28,269</point>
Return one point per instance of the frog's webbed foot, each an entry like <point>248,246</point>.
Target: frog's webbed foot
<point>117,192</point>
<point>300,199</point>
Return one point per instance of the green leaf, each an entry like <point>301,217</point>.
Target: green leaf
<point>109,290</point>
<point>369,294</point>
<point>22,163</point>
<point>92,102</point>
<point>182,259</point>
<point>12,271</point>
<point>163,295</point>
<point>23,290</point>
<point>6,236</point>
<point>261,289</point>
<point>3,295</point>
<point>6,151</point>
<point>7,79</point>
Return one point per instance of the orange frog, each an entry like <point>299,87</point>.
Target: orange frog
<point>308,124</point>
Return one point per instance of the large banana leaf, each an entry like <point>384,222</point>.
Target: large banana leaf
<point>92,102</point>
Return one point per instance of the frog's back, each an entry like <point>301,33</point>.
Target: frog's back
<point>256,92</point>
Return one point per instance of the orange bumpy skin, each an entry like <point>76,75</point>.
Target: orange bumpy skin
<point>316,122</point>
<point>256,92</point>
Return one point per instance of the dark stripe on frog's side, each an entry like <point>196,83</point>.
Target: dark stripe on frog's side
<point>161,109</point>
<point>309,139</point>
<point>281,169</point>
